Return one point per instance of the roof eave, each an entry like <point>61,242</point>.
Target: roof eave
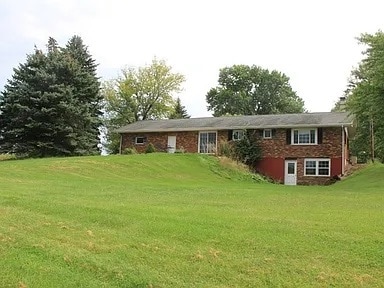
<point>189,129</point>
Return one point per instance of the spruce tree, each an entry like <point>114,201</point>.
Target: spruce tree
<point>86,87</point>
<point>50,107</point>
<point>21,107</point>
<point>63,99</point>
<point>34,109</point>
<point>179,111</point>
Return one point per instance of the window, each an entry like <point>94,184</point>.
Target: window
<point>267,133</point>
<point>291,168</point>
<point>304,136</point>
<point>237,135</point>
<point>207,142</point>
<point>317,167</point>
<point>323,168</point>
<point>139,140</point>
<point>310,167</point>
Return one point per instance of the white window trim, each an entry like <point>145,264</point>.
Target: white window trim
<point>233,134</point>
<point>302,129</point>
<point>139,143</point>
<point>317,160</point>
<point>198,143</point>
<point>270,134</point>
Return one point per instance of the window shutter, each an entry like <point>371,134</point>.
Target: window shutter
<point>273,132</point>
<point>230,135</point>
<point>288,136</point>
<point>319,135</point>
<point>145,139</point>
<point>261,133</point>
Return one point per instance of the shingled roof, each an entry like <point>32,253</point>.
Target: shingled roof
<point>302,120</point>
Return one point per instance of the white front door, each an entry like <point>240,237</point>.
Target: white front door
<point>290,177</point>
<point>171,144</point>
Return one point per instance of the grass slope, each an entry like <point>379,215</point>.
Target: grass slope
<point>184,221</point>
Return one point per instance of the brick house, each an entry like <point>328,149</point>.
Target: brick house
<point>307,148</point>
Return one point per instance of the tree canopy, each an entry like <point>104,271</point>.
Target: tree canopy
<point>252,90</point>
<point>51,105</point>
<point>365,97</point>
<point>139,94</point>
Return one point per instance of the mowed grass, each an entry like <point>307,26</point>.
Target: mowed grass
<point>182,220</point>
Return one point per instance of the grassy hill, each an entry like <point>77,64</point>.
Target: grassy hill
<point>160,220</point>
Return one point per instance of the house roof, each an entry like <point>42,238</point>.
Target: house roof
<point>302,120</point>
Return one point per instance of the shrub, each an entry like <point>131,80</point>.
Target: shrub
<point>226,149</point>
<point>129,151</point>
<point>7,157</point>
<point>362,157</point>
<point>247,150</point>
<point>181,150</point>
<point>150,148</point>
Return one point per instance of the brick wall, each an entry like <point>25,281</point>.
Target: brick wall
<point>276,149</point>
<point>184,140</point>
<point>187,141</point>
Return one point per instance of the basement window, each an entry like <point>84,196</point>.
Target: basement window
<point>317,167</point>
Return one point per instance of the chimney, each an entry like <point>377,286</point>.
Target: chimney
<point>342,104</point>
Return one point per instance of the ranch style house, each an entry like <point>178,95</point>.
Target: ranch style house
<point>305,148</point>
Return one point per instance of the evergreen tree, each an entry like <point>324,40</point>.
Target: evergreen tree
<point>52,45</point>
<point>67,109</point>
<point>43,110</point>
<point>86,87</point>
<point>180,112</point>
<point>32,110</point>
<point>21,105</point>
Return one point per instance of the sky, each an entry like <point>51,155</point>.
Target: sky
<point>312,42</point>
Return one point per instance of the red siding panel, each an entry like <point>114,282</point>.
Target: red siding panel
<point>272,168</point>
<point>336,166</point>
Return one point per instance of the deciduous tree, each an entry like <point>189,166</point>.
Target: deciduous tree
<point>139,94</point>
<point>365,97</point>
<point>252,90</point>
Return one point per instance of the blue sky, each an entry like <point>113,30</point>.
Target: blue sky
<point>312,42</point>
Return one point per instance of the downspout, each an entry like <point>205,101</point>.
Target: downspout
<point>342,151</point>
<point>121,142</point>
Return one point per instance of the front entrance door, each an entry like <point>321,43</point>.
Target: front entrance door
<point>290,177</point>
<point>171,144</point>
<point>207,142</point>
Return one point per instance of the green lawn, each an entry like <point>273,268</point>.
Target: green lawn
<point>182,220</point>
